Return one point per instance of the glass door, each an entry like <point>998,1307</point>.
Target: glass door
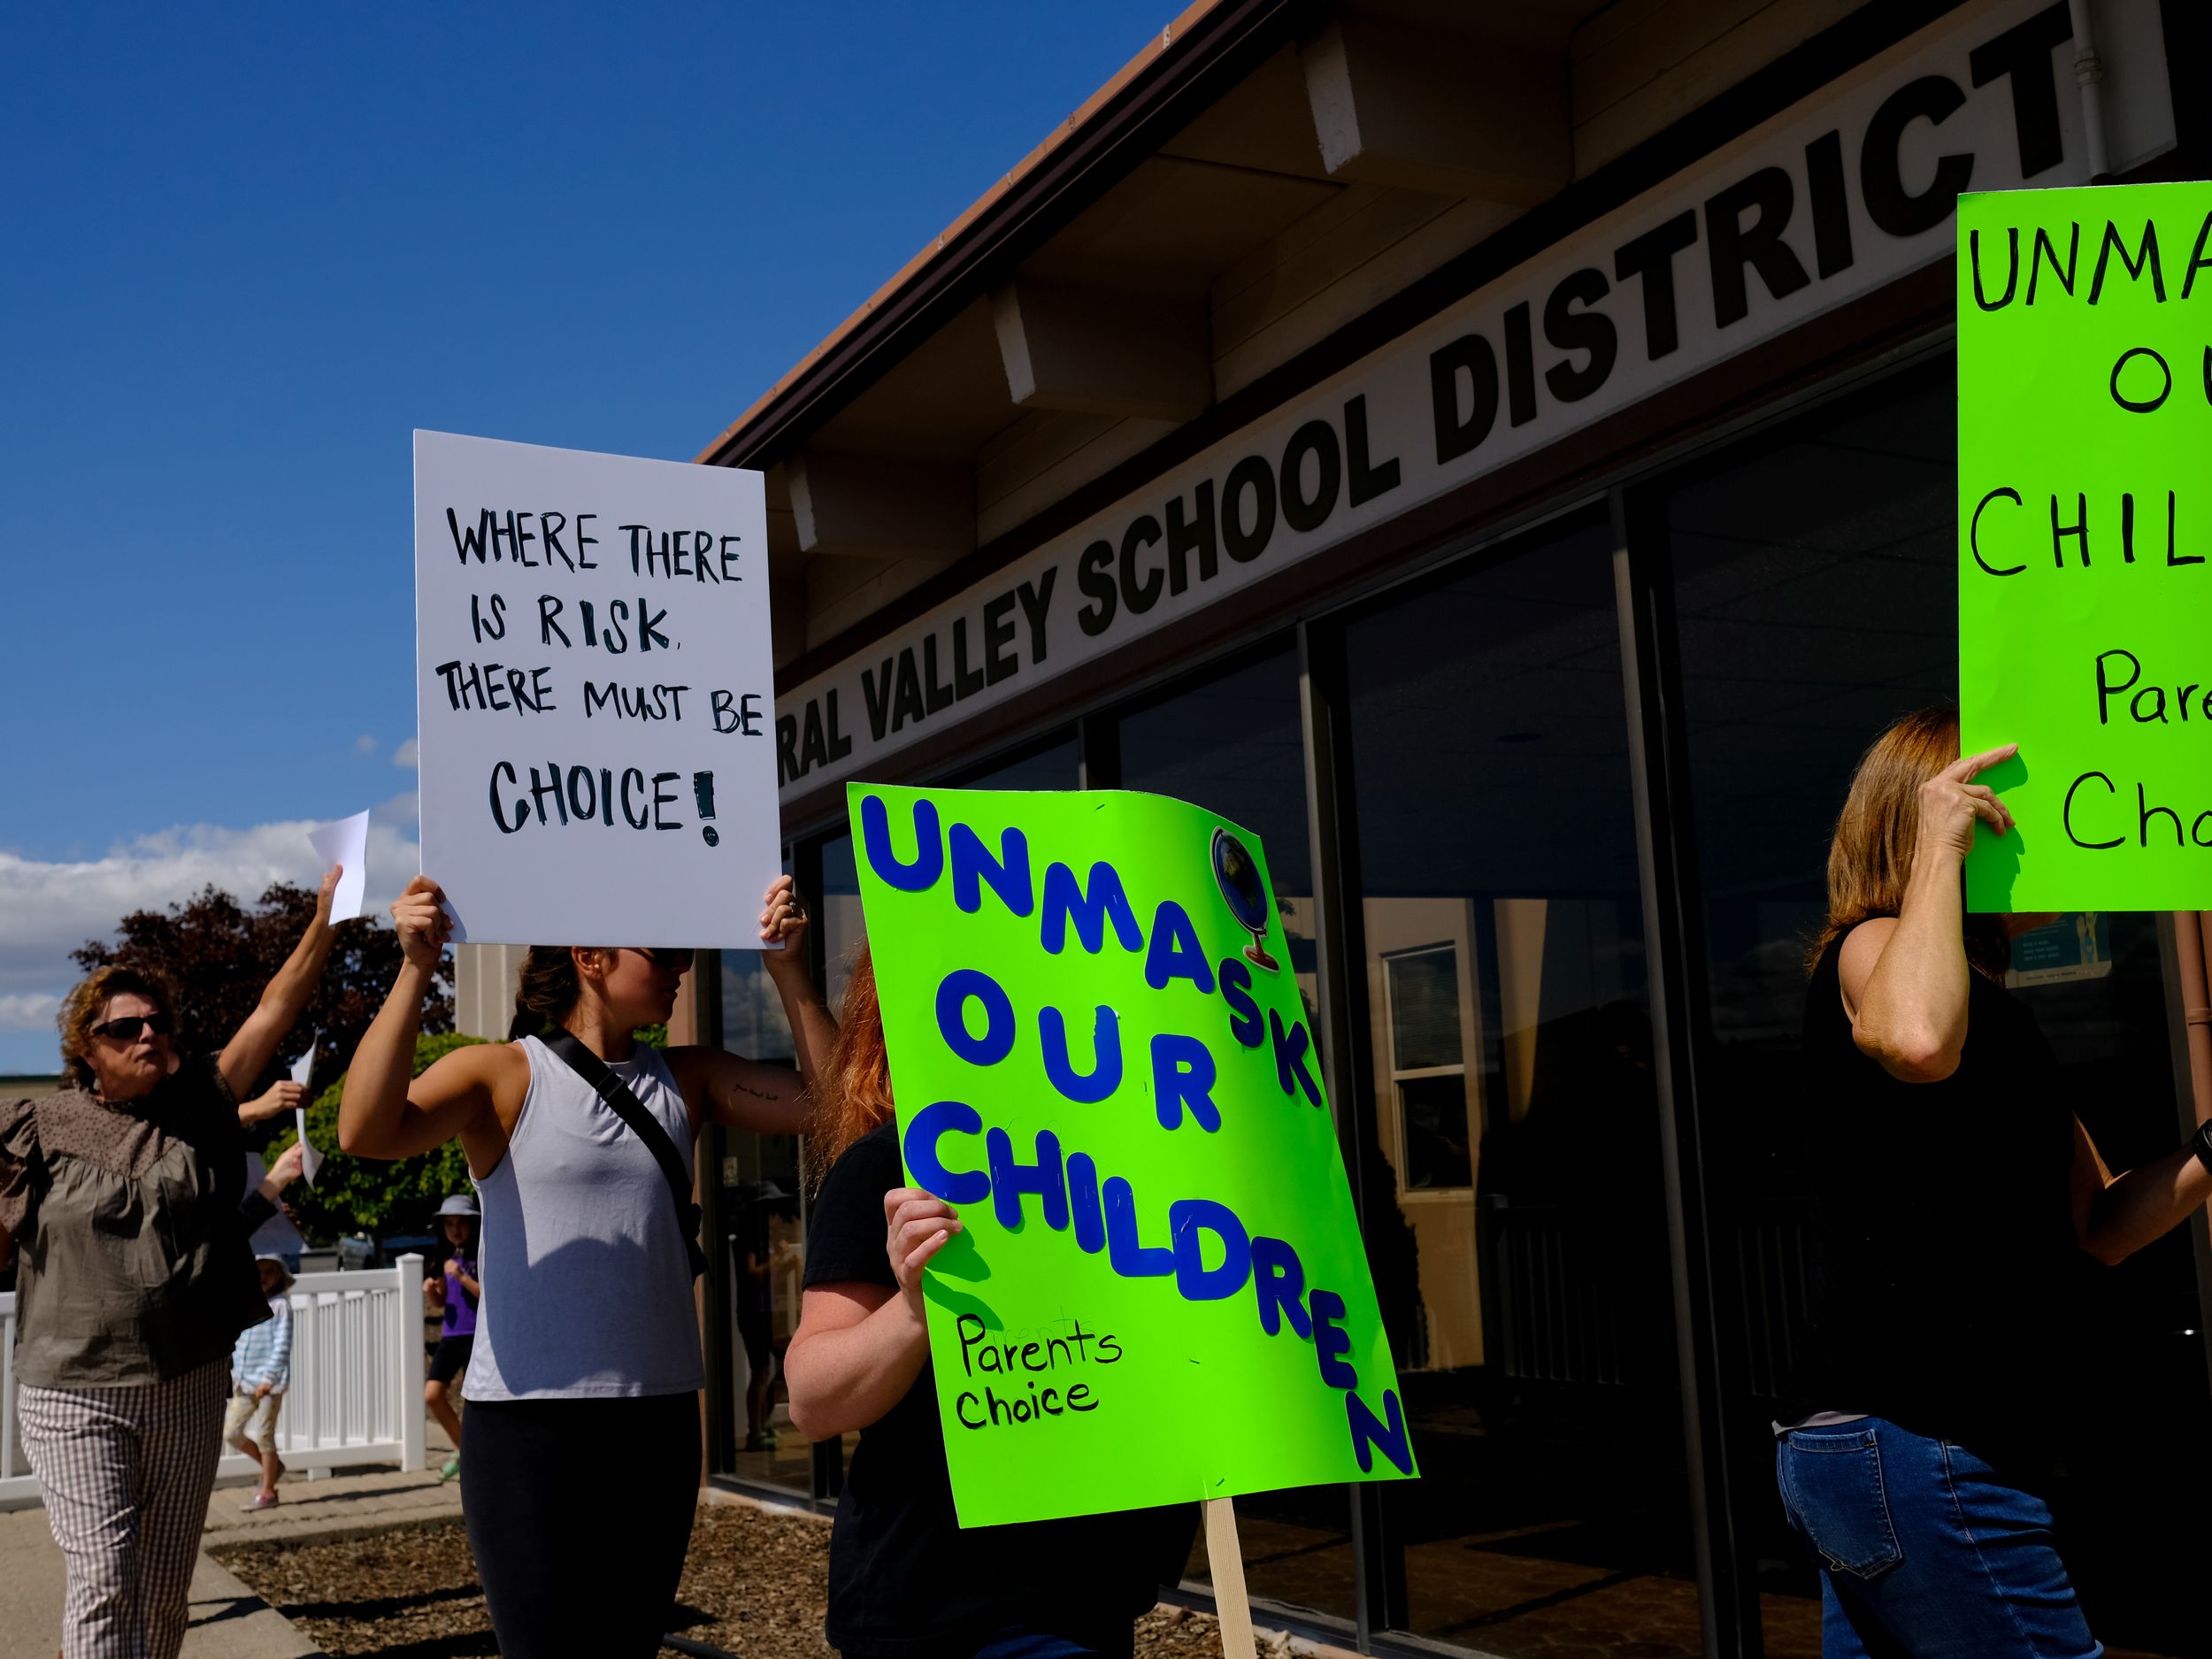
<point>1514,1211</point>
<point>1814,588</point>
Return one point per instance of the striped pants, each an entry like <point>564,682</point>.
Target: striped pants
<point>125,1474</point>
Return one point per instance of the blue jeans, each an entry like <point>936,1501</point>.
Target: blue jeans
<point>1023,1642</point>
<point>1925,1552</point>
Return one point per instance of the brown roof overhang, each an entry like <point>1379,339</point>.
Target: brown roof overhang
<point>1183,68</point>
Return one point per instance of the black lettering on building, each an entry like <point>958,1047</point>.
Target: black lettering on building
<point>1583,330</point>
<point>1140,585</point>
<point>1933,98</point>
<point>875,691</point>
<point>2021,55</point>
<point>1520,366</point>
<point>906,693</point>
<point>998,636</point>
<point>1366,478</point>
<point>1831,206</point>
<point>1473,356</point>
<point>1316,439</point>
<point>1649,258</point>
<point>1095,575</point>
<point>1036,602</point>
<point>967,678</point>
<point>1733,246</point>
<point>1251,476</point>
<point>1194,534</point>
<point>938,693</point>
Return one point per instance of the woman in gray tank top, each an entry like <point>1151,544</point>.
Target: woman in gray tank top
<point>582,1389</point>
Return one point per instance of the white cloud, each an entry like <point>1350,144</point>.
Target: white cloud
<point>28,1011</point>
<point>52,907</point>
<point>364,744</point>
<point>404,810</point>
<point>405,754</point>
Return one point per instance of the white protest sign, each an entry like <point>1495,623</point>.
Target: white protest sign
<point>595,695</point>
<point>304,1068</point>
<point>345,843</point>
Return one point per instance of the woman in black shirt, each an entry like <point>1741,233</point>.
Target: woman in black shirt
<point>1951,1186</point>
<point>905,1581</point>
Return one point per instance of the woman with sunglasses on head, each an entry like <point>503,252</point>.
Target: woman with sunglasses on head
<point>582,1385</point>
<point>120,1196</point>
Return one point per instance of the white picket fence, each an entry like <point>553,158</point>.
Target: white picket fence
<point>356,1392</point>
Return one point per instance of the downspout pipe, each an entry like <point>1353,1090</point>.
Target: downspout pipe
<point>2089,76</point>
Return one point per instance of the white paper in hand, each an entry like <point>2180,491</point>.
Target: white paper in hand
<point>311,1160</point>
<point>345,843</point>
<point>304,1068</point>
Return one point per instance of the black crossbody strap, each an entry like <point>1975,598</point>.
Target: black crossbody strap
<point>644,1126</point>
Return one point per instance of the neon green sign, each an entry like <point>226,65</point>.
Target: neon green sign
<point>2085,542</point>
<point>1102,1059</point>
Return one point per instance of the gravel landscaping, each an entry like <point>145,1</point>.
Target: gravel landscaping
<point>754,1586</point>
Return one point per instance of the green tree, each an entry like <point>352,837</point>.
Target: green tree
<point>367,1195</point>
<point>218,954</point>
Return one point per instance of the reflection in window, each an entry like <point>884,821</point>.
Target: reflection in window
<point>1232,744</point>
<point>760,1238</point>
<point>1428,1067</point>
<point>1815,601</point>
<point>841,921</point>
<point>1056,765</point>
<point>1514,1199</point>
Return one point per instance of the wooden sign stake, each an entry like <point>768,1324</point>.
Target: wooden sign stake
<point>1226,1561</point>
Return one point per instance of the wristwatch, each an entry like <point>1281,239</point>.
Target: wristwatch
<point>2201,1143</point>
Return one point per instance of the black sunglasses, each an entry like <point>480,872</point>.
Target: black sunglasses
<point>127,1029</point>
<point>675,960</point>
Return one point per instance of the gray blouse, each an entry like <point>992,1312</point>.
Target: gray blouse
<point>132,1260</point>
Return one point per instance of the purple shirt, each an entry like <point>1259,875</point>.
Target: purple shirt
<point>460,1307</point>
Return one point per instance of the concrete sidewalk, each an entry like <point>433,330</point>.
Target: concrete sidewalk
<point>228,1620</point>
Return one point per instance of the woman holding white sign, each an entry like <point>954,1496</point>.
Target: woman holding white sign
<point>905,1581</point>
<point>582,1385</point>
<point>1951,1188</point>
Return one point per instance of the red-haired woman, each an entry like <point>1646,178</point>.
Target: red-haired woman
<point>905,1581</point>
<point>583,1379</point>
<point>1951,1185</point>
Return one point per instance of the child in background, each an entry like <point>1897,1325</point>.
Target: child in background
<point>456,1291</point>
<point>260,1367</point>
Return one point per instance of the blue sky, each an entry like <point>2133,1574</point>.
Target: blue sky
<point>250,248</point>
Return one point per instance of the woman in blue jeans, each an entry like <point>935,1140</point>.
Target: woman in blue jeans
<point>1952,1185</point>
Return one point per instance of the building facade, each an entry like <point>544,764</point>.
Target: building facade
<point>1504,455</point>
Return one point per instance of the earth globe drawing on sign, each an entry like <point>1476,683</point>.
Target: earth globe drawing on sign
<point>1245,890</point>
